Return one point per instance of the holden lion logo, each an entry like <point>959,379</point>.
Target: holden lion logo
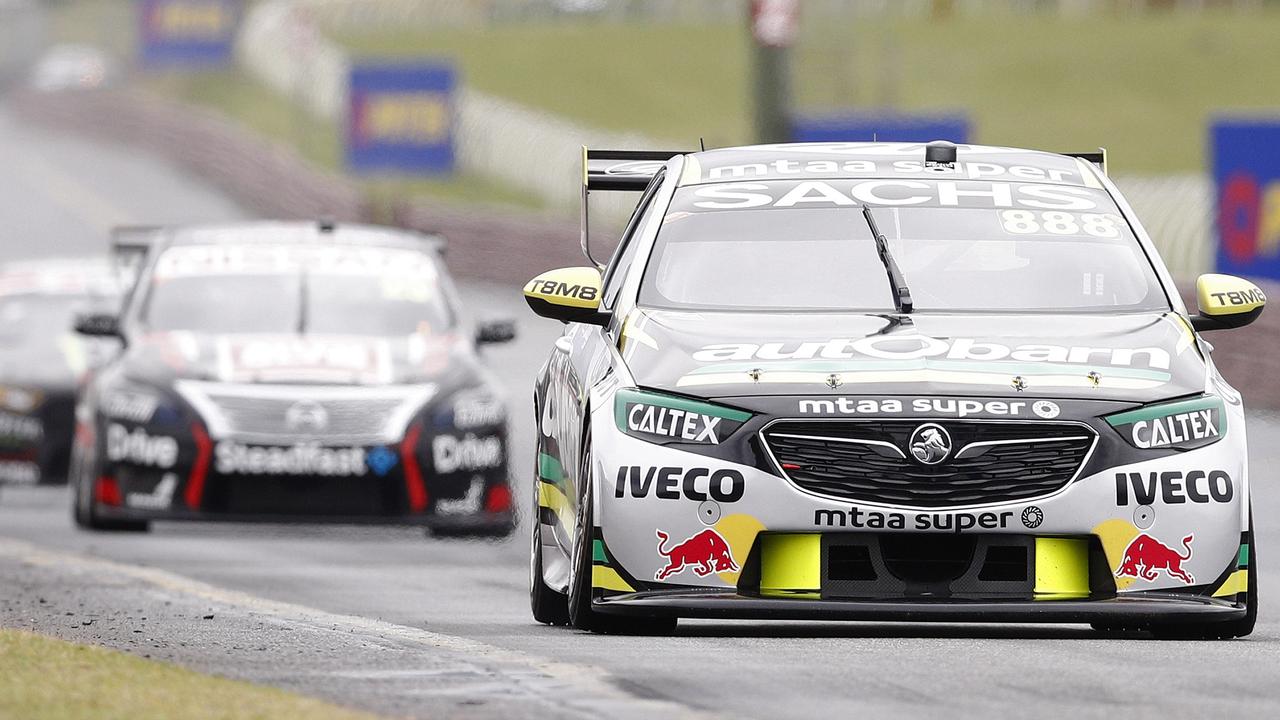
<point>1145,555</point>
<point>930,444</point>
<point>306,415</point>
<point>706,552</point>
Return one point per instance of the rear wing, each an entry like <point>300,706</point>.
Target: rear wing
<point>1098,158</point>
<point>134,239</point>
<point>618,170</point>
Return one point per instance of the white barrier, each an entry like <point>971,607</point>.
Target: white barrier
<point>281,45</point>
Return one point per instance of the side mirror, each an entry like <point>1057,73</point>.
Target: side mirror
<point>98,325</point>
<point>567,295</point>
<point>493,332</point>
<point>1226,301</point>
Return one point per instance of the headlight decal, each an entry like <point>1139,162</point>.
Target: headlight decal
<point>664,419</point>
<point>1183,424</point>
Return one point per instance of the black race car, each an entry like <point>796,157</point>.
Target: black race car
<point>284,371</point>
<point>42,362</point>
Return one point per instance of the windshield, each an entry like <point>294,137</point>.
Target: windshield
<point>341,290</point>
<point>961,246</point>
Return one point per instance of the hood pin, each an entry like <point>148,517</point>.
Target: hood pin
<point>834,381</point>
<point>1095,378</point>
<point>1019,383</point>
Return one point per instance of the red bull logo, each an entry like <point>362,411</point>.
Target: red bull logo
<point>1145,556</point>
<point>706,552</point>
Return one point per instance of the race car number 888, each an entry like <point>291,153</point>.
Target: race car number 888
<point>1057,222</point>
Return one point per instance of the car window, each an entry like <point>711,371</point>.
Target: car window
<point>626,252</point>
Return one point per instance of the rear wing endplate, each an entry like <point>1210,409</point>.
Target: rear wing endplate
<point>618,170</point>
<point>130,247</point>
<point>1098,158</point>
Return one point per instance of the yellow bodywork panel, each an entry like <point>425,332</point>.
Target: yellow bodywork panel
<point>790,563</point>
<point>1062,567</point>
<point>609,579</point>
<point>1237,582</point>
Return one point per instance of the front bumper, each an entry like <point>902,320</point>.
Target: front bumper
<point>1172,524</point>
<point>382,484</point>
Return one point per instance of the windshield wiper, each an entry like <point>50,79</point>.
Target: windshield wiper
<point>897,283</point>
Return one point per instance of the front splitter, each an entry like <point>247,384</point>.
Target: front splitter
<point>1144,609</point>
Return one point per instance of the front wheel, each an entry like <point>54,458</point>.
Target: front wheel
<point>581,614</point>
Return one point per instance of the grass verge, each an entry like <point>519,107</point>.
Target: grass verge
<point>46,679</point>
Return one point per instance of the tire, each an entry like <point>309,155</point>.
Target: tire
<point>79,504</point>
<point>581,614</point>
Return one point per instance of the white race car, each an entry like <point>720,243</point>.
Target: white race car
<point>887,381</point>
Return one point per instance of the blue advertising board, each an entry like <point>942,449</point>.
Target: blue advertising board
<point>400,118</point>
<point>188,34</point>
<point>882,127</point>
<point>1246,173</point>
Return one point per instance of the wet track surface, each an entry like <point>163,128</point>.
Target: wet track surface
<point>389,620</point>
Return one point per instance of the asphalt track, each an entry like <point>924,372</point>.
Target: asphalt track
<point>388,620</point>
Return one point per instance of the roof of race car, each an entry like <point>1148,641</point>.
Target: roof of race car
<point>797,161</point>
<point>300,232</point>
<point>57,276</point>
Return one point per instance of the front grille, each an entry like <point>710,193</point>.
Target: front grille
<point>328,414</point>
<point>870,461</point>
<point>344,418</point>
